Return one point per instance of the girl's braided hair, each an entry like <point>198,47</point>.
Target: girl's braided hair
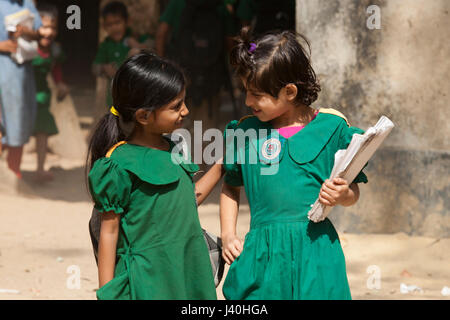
<point>274,60</point>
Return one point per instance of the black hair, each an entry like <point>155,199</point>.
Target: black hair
<point>144,81</point>
<point>115,8</point>
<point>47,10</point>
<point>274,60</point>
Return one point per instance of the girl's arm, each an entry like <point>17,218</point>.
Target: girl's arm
<point>61,87</point>
<point>162,35</point>
<point>26,32</point>
<point>109,233</point>
<point>337,191</point>
<point>229,207</point>
<point>206,184</point>
<point>9,46</point>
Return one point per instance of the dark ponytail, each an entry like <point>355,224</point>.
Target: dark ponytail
<point>106,134</point>
<point>240,55</point>
<point>144,81</point>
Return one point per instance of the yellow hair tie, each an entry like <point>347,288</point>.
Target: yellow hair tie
<point>114,111</point>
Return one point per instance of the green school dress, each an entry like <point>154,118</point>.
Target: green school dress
<point>161,252</point>
<point>110,51</point>
<point>285,255</point>
<point>42,65</point>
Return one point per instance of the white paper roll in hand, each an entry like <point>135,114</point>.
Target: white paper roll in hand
<point>349,162</point>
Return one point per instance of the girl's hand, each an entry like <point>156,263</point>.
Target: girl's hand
<point>133,43</point>
<point>110,69</point>
<point>133,52</point>
<point>62,91</point>
<point>9,46</point>
<point>20,31</point>
<point>25,32</point>
<point>337,191</point>
<point>232,247</point>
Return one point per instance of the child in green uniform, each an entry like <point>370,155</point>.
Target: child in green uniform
<point>151,243</point>
<point>284,256</point>
<point>48,61</point>
<point>118,45</point>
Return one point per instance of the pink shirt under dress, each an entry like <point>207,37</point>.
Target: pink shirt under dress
<point>288,132</point>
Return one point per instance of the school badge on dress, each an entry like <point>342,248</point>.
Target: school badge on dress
<point>270,152</point>
<point>271,149</point>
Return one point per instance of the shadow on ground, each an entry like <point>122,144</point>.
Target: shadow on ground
<point>68,185</point>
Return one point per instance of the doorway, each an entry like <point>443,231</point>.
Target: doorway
<point>79,46</point>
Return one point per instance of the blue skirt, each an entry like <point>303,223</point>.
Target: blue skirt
<point>17,101</point>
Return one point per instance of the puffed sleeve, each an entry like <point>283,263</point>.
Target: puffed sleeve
<point>345,139</point>
<point>233,175</point>
<point>110,186</point>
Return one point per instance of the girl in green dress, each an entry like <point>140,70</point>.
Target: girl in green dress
<point>151,243</point>
<point>283,156</point>
<point>47,62</point>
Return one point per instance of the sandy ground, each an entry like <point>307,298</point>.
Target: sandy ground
<point>45,249</point>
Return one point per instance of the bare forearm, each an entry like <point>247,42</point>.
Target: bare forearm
<point>206,184</point>
<point>161,38</point>
<point>109,233</point>
<point>8,46</point>
<point>106,258</point>
<point>26,33</point>
<point>229,207</point>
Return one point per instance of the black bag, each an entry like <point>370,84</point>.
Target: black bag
<point>213,243</point>
<point>275,15</point>
<point>199,48</point>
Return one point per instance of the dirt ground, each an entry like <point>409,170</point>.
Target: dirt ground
<point>45,249</point>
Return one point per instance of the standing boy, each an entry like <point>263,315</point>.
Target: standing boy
<point>118,45</point>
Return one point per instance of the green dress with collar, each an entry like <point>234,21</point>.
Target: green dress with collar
<point>161,252</point>
<point>285,255</point>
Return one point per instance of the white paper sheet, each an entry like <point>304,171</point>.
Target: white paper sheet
<point>26,49</point>
<point>349,162</point>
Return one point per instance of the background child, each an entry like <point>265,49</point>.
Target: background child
<point>151,243</point>
<point>118,45</point>
<point>47,61</point>
<point>16,85</point>
<point>285,256</point>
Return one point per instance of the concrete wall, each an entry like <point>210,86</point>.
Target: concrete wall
<point>402,71</point>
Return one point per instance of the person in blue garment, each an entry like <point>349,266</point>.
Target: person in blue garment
<point>17,86</point>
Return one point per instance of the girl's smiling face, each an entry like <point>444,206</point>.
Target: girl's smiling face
<point>169,117</point>
<point>48,31</point>
<point>266,107</point>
